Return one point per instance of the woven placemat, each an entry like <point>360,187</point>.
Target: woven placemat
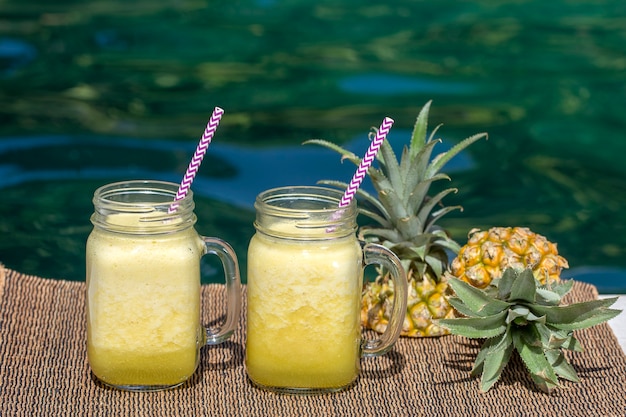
<point>44,371</point>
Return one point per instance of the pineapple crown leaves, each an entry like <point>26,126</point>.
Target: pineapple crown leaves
<point>518,314</point>
<point>403,186</point>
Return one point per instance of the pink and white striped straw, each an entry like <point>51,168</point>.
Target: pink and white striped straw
<point>367,160</point>
<point>198,155</point>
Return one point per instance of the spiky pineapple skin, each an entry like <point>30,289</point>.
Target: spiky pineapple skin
<point>427,301</point>
<point>488,253</point>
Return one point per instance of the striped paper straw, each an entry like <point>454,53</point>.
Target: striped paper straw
<point>198,155</point>
<point>367,160</point>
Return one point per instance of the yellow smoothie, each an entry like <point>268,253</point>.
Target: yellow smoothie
<point>303,312</point>
<point>143,295</point>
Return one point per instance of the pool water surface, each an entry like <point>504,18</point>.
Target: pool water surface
<point>100,91</point>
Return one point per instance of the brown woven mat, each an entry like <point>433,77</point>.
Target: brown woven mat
<point>44,371</point>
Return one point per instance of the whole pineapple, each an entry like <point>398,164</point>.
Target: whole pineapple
<point>488,253</point>
<point>406,217</point>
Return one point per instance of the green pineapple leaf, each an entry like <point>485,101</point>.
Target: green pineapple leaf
<point>436,215</point>
<point>559,289</point>
<point>496,357</point>
<point>442,240</point>
<point>563,287</point>
<point>541,371</point>
<point>523,288</point>
<point>579,315</point>
<point>391,167</point>
<point>426,209</point>
<point>561,366</point>
<point>435,262</point>
<point>571,343</point>
<point>417,195</point>
<point>547,297</point>
<point>423,158</point>
<point>477,327</point>
<point>505,283</point>
<point>589,320</point>
<point>461,307</point>
<point>382,233</point>
<point>552,338</point>
<point>415,168</point>
<point>418,137</point>
<point>350,156</point>
<point>477,300</point>
<point>440,160</point>
<point>521,316</point>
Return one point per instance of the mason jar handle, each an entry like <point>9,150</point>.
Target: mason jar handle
<point>215,246</point>
<point>380,255</point>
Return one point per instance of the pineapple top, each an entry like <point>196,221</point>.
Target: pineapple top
<point>517,313</point>
<point>405,213</point>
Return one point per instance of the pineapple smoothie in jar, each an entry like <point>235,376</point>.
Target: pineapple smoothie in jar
<point>304,300</point>
<point>143,287</point>
<point>305,275</point>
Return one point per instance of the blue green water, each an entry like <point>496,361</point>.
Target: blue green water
<point>98,91</point>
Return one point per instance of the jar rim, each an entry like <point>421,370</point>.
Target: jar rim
<point>330,196</point>
<point>137,197</point>
<point>152,187</point>
<point>304,212</point>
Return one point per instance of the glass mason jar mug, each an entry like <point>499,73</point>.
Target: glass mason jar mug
<point>143,287</point>
<point>305,277</point>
